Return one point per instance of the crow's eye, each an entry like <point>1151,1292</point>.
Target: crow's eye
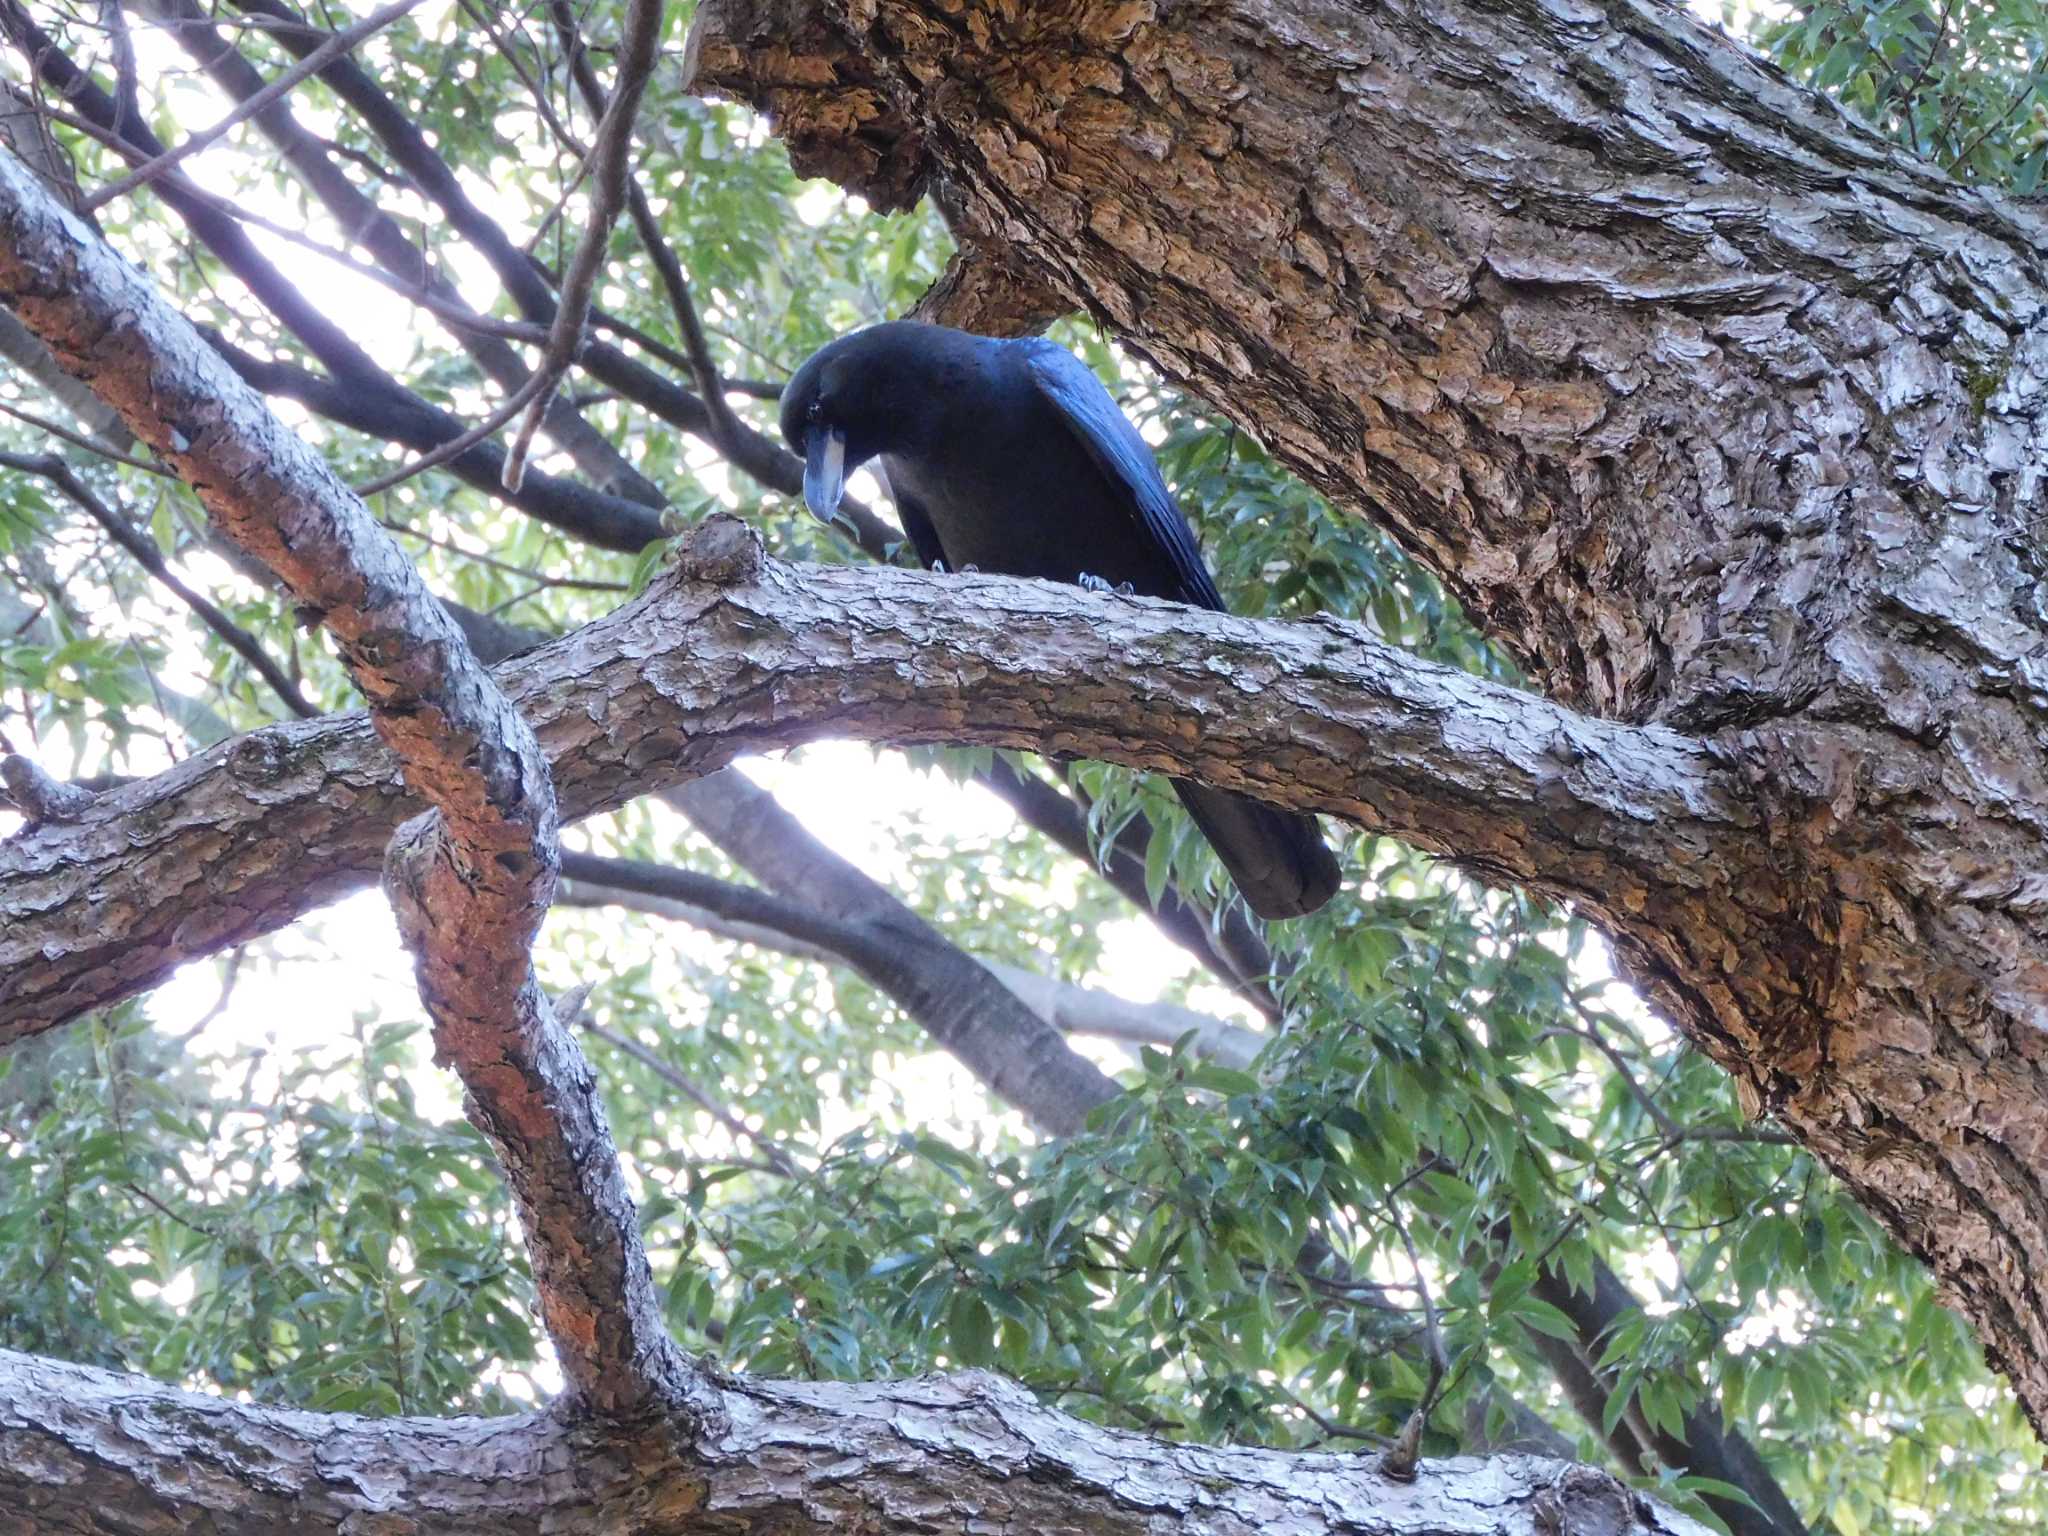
<point>816,411</point>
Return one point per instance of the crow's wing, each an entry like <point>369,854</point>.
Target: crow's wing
<point>1073,390</point>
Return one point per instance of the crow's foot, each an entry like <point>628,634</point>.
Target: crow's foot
<point>1092,583</point>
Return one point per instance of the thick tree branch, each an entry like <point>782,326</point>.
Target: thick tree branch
<point>87,1450</point>
<point>1067,1006</point>
<point>469,883</point>
<point>711,663</point>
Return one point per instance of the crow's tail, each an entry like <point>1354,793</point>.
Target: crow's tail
<point>1278,858</point>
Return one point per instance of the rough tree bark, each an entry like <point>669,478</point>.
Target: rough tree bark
<point>1718,410</point>
<point>89,1451</point>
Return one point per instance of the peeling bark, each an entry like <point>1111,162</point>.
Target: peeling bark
<point>97,1453</point>
<point>1716,409</point>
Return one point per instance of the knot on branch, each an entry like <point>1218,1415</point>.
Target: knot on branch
<point>983,291</point>
<point>39,797</point>
<point>408,858</point>
<point>721,550</point>
<point>1584,1501</point>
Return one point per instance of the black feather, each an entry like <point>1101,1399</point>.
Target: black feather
<point>1010,456</point>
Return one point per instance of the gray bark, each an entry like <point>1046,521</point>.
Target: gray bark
<point>88,1451</point>
<point>1727,418</point>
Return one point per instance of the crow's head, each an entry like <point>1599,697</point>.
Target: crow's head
<point>881,390</point>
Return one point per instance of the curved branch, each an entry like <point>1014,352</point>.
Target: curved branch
<point>470,883</point>
<point>710,663</point>
<point>1712,406</point>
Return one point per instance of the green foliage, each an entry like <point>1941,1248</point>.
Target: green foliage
<point>1226,1253</point>
<point>321,1243</point>
<point>1963,82</point>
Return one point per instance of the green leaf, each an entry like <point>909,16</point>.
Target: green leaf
<point>970,1329</point>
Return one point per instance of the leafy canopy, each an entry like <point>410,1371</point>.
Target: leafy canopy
<point>1463,1106</point>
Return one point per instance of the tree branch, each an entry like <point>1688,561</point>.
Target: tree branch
<point>360,393</point>
<point>403,267</point>
<point>700,670</point>
<point>755,454</point>
<point>470,883</point>
<point>960,1005</point>
<point>400,416</point>
<point>88,1450</point>
<point>335,46</point>
<point>608,165</point>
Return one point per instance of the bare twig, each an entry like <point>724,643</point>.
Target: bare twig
<point>139,545</point>
<point>79,440</point>
<point>455,447</point>
<point>2013,104</point>
<point>545,581</point>
<point>776,1157</point>
<point>337,45</point>
<point>725,427</point>
<point>1401,1457</point>
<point>608,194</point>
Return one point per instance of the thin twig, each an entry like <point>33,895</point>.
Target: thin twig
<point>79,440</point>
<point>725,427</point>
<point>575,583</point>
<point>144,549</point>
<point>455,447</point>
<point>608,195</point>
<point>127,82</point>
<point>1330,1426</point>
<point>335,46</point>
<point>2019,97</point>
<point>1399,1462</point>
<point>668,1074</point>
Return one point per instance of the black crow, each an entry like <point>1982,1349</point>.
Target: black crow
<point>1010,456</point>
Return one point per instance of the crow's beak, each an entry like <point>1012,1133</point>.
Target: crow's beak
<point>824,470</point>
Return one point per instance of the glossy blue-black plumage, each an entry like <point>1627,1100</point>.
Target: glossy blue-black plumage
<point>1010,456</point>
<point>1107,436</point>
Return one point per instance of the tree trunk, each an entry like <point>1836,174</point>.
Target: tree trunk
<point>1717,410</point>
